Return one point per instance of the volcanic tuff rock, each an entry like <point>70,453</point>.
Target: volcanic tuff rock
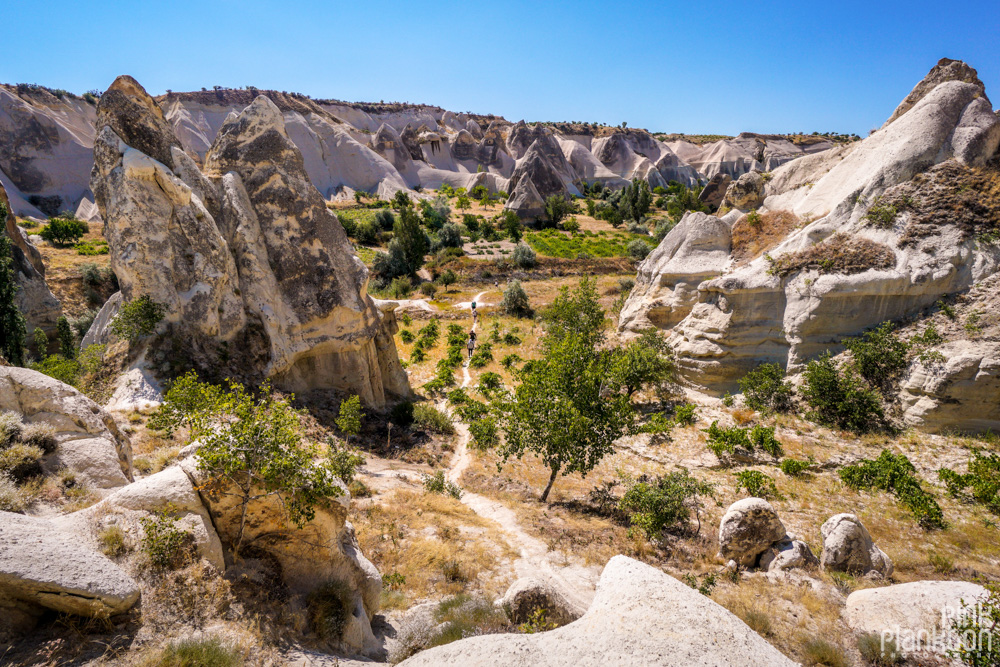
<point>753,313</point>
<point>89,442</point>
<point>848,547</point>
<point>528,595</point>
<point>915,607</point>
<point>749,528</point>
<point>715,190</point>
<point>254,270</point>
<point>640,615</point>
<point>746,192</point>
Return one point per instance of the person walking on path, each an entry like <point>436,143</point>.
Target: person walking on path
<point>471,344</point>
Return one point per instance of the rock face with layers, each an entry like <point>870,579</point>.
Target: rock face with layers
<point>847,547</point>
<point>753,314</point>
<point>89,442</point>
<point>254,270</point>
<point>640,615</point>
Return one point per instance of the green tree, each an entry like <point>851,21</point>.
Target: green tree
<point>67,343</point>
<point>556,208</point>
<point>515,300</point>
<point>646,360</point>
<point>62,231</point>
<point>188,403</point>
<point>840,397</point>
<point>880,356</point>
<point>41,343</point>
<point>401,200</point>
<point>570,405</point>
<point>13,329</point>
<point>765,389</point>
<point>137,318</point>
<point>511,225</point>
<point>256,451</point>
<point>350,416</point>
<point>411,238</point>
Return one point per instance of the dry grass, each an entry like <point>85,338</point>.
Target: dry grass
<point>952,194</point>
<point>437,544</point>
<point>838,254</point>
<point>62,271</point>
<point>752,240</point>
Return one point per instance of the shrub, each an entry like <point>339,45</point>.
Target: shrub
<point>436,483</point>
<point>840,398</point>
<point>704,586</point>
<point>406,336</point>
<point>840,253</point>
<point>67,345</point>
<point>210,652</point>
<point>764,389</point>
<point>137,318</point>
<point>484,432</point>
<point>39,435</point>
<point>402,414</point>
<point>400,288</point>
<point>880,356</point>
<point>981,484</point>
<point>349,416</point>
<point>515,300</point>
<point>11,497</point>
<point>429,417</point>
<point>637,249</point>
<point>489,382</point>
<point>112,541</point>
<point>536,623</point>
<point>41,341</point>
<point>656,504</point>
<point>343,461</point>
<point>819,651</point>
<point>447,278</point>
<point>523,256</point>
<point>188,403</point>
<point>63,231</point>
<point>723,442</point>
<point>978,630</point>
<point>21,461</point>
<point>385,219</point>
<point>482,356</point>
<point>881,214</point>
<point>895,474</point>
<point>684,415</point>
<point>330,606</point>
<point>428,290</point>
<point>10,429</point>
<point>13,329</point>
<point>166,545</point>
<point>756,483</point>
<point>366,232</point>
<point>510,360</point>
<point>794,467</point>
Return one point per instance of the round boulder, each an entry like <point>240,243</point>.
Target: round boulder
<point>531,593</point>
<point>748,529</point>
<point>848,547</point>
<point>786,555</point>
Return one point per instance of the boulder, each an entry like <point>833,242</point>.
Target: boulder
<point>527,595</point>
<point>257,276</point>
<point>666,287</point>
<point>44,566</point>
<point>89,442</point>
<point>787,554</point>
<point>924,608</point>
<point>746,192</point>
<point>715,190</point>
<point>847,547</point>
<point>640,615</point>
<point>748,529</point>
<point>325,549</point>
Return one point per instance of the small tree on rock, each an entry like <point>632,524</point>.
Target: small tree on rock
<point>67,343</point>
<point>350,416</point>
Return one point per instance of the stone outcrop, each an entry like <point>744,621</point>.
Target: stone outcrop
<point>946,70</point>
<point>847,547</point>
<point>715,190</point>
<point>89,442</point>
<point>746,192</point>
<point>254,270</point>
<point>788,554</point>
<point>534,180</point>
<point>43,566</point>
<point>752,314</point>
<point>748,529</point>
<point>639,615</point>
<point>666,287</point>
<point>525,596</point>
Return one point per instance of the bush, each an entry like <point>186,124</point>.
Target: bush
<point>166,545</point>
<point>429,417</point>
<point>510,360</point>
<point>723,442</point>
<point>436,483</point>
<point>343,461</point>
<point>489,382</point>
<point>11,497</point>
<point>447,278</point>
<point>684,414</point>
<point>428,290</point>
<point>638,250</point>
<point>21,462</point>
<point>385,219</point>
<point>756,483</point>
<point>64,231</point>
<point>366,232</point>
<point>794,467</point>
<point>67,344</point>
<point>10,429</point>
<point>42,436</point>
<point>137,318</point>
<point>402,414</point>
<point>198,653</point>
<point>400,288</point>
<point>819,651</point>
<point>112,541</point>
<point>895,474</point>
<point>13,329</point>
<point>764,389</point>
<point>484,432</point>
<point>839,397</point>
<point>330,606</point>
<point>879,651</point>
<point>515,300</point>
<point>880,357</point>
<point>482,356</point>
<point>981,484</point>
<point>978,630</point>
<point>656,504</point>
<point>523,256</point>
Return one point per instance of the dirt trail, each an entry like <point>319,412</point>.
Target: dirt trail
<point>577,582</point>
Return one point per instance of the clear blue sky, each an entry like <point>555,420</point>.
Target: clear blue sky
<point>717,67</point>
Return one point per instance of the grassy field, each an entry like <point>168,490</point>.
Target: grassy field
<point>604,243</point>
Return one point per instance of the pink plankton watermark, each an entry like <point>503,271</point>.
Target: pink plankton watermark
<point>943,638</point>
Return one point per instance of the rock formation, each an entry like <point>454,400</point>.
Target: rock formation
<point>749,528</point>
<point>746,192</point>
<point>847,547</point>
<point>254,270</point>
<point>639,615</point>
<point>89,442</point>
<point>755,312</point>
<point>528,595</point>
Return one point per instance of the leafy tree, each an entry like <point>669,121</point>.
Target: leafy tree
<point>188,403</point>
<point>570,405</point>
<point>411,238</point>
<point>137,318</point>
<point>401,200</point>
<point>257,451</point>
<point>390,265</point>
<point>67,343</point>
<point>13,330</point>
<point>62,231</point>
<point>765,389</point>
<point>450,236</point>
<point>515,300</point>
<point>41,343</point>
<point>350,416</point>
<point>447,278</point>
<point>523,256</point>
<point>880,356</point>
<point>638,249</point>
<point>556,208</point>
<point>462,203</point>
<point>436,213</point>
<point>653,505</point>
<point>512,226</point>
<point>385,219</point>
<point>840,397</point>
<point>897,475</point>
<point>646,360</point>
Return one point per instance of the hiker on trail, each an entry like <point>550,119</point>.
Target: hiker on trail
<point>475,314</point>
<point>471,344</point>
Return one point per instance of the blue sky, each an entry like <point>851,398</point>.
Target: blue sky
<point>718,67</point>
